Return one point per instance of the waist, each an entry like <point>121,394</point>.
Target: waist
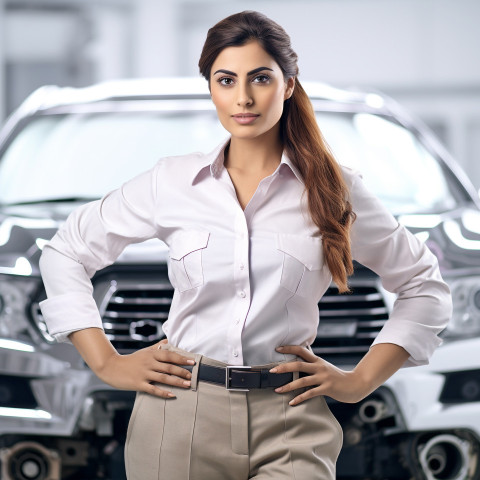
<point>236,377</point>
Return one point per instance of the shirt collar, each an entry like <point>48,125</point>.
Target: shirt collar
<point>213,163</point>
<point>286,161</point>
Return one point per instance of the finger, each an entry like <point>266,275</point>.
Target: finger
<point>172,357</point>
<point>294,367</point>
<point>303,382</point>
<point>168,379</point>
<point>310,393</point>
<point>158,345</point>
<point>298,350</point>
<point>171,369</point>
<point>157,391</point>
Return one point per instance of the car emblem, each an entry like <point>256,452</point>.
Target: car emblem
<point>146,330</point>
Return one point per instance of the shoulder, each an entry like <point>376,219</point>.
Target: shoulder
<point>179,171</point>
<point>369,209</point>
<point>350,175</point>
<point>360,196</point>
<point>180,168</point>
<point>181,162</point>
<point>354,181</point>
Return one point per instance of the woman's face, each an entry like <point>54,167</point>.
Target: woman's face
<point>248,90</point>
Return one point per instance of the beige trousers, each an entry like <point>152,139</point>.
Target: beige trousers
<point>210,433</point>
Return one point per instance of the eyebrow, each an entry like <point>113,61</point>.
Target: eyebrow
<point>251,72</point>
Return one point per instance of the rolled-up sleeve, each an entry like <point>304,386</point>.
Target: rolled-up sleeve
<point>92,238</point>
<point>407,268</point>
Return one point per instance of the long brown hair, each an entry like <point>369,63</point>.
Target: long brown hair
<point>302,140</point>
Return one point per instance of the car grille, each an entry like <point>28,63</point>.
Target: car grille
<point>133,313</point>
<point>350,322</point>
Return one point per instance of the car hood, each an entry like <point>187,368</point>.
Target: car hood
<point>25,229</point>
<point>454,237</point>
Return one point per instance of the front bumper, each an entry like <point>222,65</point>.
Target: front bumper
<point>56,382</point>
<point>418,391</point>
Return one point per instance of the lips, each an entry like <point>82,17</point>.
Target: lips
<point>245,118</point>
<point>243,115</point>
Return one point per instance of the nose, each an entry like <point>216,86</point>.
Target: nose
<point>244,97</point>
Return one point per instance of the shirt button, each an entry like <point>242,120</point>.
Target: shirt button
<point>242,266</point>
<point>235,353</point>
<point>237,321</point>
<point>242,293</point>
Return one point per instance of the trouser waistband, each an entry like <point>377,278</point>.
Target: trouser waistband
<point>234,377</point>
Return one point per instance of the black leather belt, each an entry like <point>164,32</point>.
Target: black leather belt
<point>241,378</point>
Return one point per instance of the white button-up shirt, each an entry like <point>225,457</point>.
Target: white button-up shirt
<point>246,281</point>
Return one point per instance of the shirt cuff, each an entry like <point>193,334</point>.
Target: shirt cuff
<point>420,341</point>
<point>57,313</point>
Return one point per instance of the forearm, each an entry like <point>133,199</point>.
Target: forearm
<point>143,370</point>
<point>379,364</point>
<point>94,347</point>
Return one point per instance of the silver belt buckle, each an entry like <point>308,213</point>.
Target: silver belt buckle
<point>228,378</point>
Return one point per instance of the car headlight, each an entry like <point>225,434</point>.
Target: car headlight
<point>15,298</point>
<point>465,320</point>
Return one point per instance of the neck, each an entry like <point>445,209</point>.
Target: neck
<point>253,155</point>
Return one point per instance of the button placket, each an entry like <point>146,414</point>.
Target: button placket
<point>241,302</point>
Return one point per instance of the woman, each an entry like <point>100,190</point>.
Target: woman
<point>257,229</point>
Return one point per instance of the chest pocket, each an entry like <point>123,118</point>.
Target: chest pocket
<point>186,258</point>
<point>302,262</point>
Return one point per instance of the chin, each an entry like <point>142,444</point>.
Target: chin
<point>247,132</point>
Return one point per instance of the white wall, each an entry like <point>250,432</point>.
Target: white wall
<point>386,43</point>
<point>157,34</point>
<point>111,47</point>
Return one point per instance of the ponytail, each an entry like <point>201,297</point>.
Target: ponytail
<point>326,190</point>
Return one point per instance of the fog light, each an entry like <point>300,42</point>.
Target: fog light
<point>471,390</point>
<point>476,299</point>
<point>16,392</point>
<point>461,387</point>
<point>5,395</point>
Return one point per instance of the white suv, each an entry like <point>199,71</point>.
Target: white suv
<point>66,146</point>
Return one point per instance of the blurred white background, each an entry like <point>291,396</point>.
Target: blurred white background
<point>424,53</point>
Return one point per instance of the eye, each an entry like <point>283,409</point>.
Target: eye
<point>262,78</point>
<point>225,81</point>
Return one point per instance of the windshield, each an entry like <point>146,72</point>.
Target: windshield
<point>85,155</point>
<point>394,164</point>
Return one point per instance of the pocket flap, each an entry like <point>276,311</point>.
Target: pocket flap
<point>307,250</point>
<point>187,241</point>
